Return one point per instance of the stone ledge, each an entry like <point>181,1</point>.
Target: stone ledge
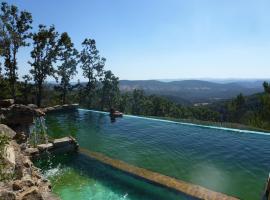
<point>61,145</point>
<point>43,147</point>
<point>60,108</point>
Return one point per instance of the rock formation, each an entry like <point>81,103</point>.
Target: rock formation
<point>26,182</point>
<point>23,181</point>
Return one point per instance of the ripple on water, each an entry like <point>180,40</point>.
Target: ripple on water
<point>225,160</point>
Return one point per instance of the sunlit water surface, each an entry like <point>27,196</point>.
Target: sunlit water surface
<point>231,162</point>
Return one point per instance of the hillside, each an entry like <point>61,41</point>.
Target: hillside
<point>193,91</point>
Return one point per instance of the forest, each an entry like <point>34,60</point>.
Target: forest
<point>53,54</point>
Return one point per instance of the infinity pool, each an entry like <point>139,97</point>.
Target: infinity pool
<point>229,161</point>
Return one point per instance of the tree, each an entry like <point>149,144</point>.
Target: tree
<point>26,88</point>
<point>44,54</point>
<point>2,44</point>
<point>68,57</point>
<point>15,27</point>
<point>137,103</point>
<point>125,102</point>
<point>92,65</point>
<point>236,108</point>
<point>266,87</point>
<point>109,89</point>
<point>240,100</point>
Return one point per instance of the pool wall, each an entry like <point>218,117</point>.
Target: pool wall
<point>159,179</point>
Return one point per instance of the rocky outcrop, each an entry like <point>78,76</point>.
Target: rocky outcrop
<point>5,130</point>
<point>31,194</point>
<point>60,108</point>
<point>27,183</point>
<point>6,194</point>
<point>18,114</point>
<point>6,103</point>
<point>19,117</point>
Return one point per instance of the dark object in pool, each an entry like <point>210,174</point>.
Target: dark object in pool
<point>115,113</point>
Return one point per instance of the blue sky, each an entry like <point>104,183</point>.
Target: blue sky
<point>165,39</point>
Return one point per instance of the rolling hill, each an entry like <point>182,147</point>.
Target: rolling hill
<point>193,91</point>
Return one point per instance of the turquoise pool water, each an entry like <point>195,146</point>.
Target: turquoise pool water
<point>78,177</point>
<point>232,162</point>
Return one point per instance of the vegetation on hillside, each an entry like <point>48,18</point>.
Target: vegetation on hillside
<point>54,55</point>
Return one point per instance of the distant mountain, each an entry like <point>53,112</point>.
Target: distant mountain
<point>194,91</point>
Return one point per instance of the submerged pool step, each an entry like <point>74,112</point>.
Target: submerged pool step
<point>189,189</point>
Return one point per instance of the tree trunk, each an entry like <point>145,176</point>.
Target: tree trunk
<point>13,89</point>
<point>39,95</point>
<point>13,75</point>
<point>64,96</point>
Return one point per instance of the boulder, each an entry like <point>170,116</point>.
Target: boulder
<point>31,194</point>
<point>7,195</point>
<point>43,147</point>
<point>27,183</point>
<point>27,162</point>
<point>62,141</point>
<point>6,103</point>
<point>20,138</point>
<point>32,152</point>
<point>5,130</point>
<point>16,185</point>
<point>64,145</point>
<point>18,114</point>
<point>9,154</point>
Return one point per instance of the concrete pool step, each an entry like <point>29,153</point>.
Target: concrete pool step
<point>189,189</point>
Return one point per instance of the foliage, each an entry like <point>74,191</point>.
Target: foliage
<point>266,87</point>
<point>14,32</point>
<point>67,69</point>
<point>109,90</point>
<point>92,65</point>
<point>140,104</point>
<point>44,54</point>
